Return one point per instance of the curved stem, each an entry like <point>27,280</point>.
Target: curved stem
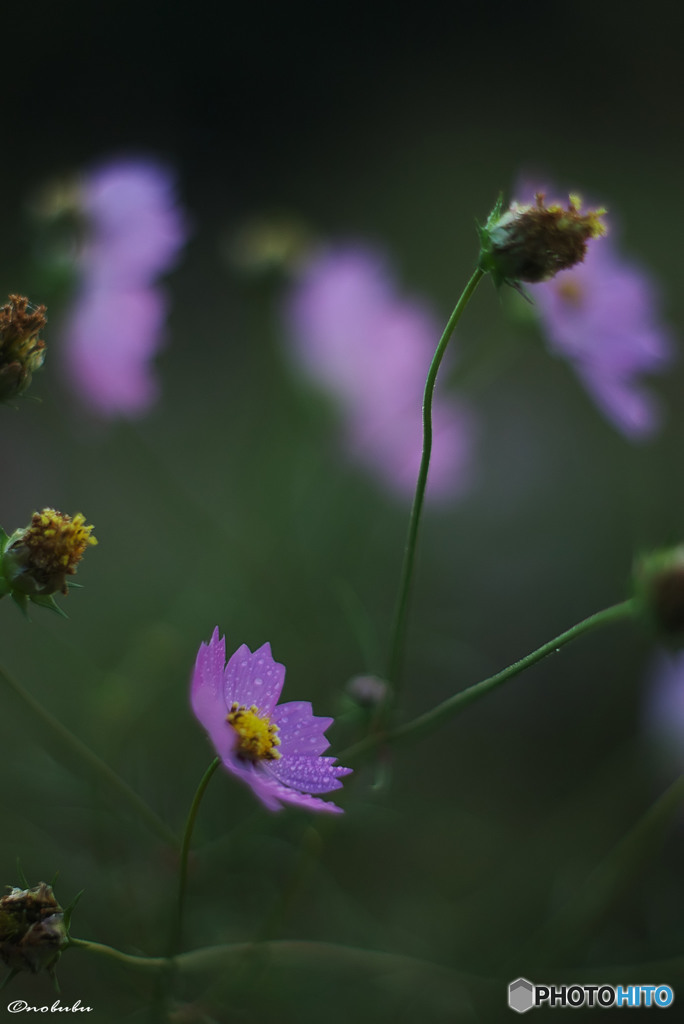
<point>282,952</point>
<point>398,632</point>
<point>453,705</point>
<point>185,851</point>
<point>288,953</point>
<point>85,756</point>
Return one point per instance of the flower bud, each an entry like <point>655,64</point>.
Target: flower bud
<point>36,561</point>
<point>368,691</point>
<point>33,930</point>
<point>533,242</point>
<point>659,587</point>
<point>21,350</point>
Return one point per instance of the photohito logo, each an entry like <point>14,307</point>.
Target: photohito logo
<point>523,995</point>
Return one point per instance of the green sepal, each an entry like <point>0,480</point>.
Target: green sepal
<point>21,601</point>
<point>8,977</point>
<point>70,909</point>
<point>48,601</point>
<point>43,600</point>
<point>52,971</point>
<point>5,586</point>
<point>486,261</point>
<point>23,880</point>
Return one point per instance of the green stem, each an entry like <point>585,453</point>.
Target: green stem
<point>281,952</point>
<point>398,632</point>
<point>291,953</point>
<point>185,852</point>
<point>85,756</point>
<point>429,721</point>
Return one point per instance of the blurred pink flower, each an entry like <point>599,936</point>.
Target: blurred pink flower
<point>663,708</point>
<point>369,348</point>
<point>603,316</point>
<point>134,232</point>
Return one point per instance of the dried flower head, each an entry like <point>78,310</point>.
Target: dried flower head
<point>533,242</point>
<point>33,929</point>
<point>37,560</point>
<point>21,350</point>
<point>275,748</point>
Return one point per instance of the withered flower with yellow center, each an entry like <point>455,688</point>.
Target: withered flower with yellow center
<point>33,928</point>
<point>21,350</point>
<point>37,561</point>
<point>533,242</point>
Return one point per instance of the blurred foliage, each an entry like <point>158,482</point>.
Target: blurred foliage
<point>229,504</point>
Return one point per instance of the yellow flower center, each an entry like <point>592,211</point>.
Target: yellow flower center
<point>257,735</point>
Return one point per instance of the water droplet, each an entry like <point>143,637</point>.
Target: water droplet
<point>258,681</point>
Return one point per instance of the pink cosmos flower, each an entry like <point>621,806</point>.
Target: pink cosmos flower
<point>603,316</point>
<point>275,748</point>
<point>369,348</point>
<point>134,232</point>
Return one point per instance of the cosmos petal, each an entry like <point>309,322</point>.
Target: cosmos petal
<point>309,774</point>
<point>206,695</point>
<point>254,679</point>
<point>273,790</point>
<point>301,732</point>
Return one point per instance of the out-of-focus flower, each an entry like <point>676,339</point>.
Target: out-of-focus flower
<point>356,337</point>
<point>264,244</point>
<point>36,561</point>
<point>33,928</point>
<point>134,232</point>
<point>21,350</point>
<point>275,748</point>
<point>663,708</point>
<point>533,242</point>
<point>603,317</point>
<point>368,691</point>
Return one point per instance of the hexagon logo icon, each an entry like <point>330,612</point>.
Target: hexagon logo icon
<point>521,995</point>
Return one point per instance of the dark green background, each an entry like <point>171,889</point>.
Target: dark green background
<point>229,505</point>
